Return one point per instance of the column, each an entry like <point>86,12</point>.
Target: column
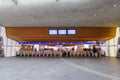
<point>113,44</point>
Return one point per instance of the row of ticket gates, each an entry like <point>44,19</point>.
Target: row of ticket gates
<point>56,53</point>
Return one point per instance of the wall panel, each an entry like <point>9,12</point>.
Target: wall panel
<point>41,34</point>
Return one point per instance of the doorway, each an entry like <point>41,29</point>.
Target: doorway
<point>1,47</point>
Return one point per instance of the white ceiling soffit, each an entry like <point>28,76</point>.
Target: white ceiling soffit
<point>57,13</point>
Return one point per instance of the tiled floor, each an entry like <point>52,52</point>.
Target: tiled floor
<point>17,68</point>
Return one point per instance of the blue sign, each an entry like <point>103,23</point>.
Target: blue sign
<point>60,43</point>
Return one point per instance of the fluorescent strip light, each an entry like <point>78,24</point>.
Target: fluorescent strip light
<point>27,2</point>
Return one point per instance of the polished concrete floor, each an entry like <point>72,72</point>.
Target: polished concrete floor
<point>17,68</point>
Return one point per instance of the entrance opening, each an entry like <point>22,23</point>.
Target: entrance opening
<point>61,49</point>
<point>118,52</point>
<point>1,47</point>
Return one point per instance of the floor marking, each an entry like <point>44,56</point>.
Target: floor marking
<point>105,75</point>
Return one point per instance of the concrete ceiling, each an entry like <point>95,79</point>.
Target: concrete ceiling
<point>55,13</point>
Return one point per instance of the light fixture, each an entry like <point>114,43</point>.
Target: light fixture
<point>69,16</point>
<point>115,5</point>
<point>104,20</point>
<point>95,15</point>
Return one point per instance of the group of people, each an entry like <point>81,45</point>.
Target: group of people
<point>118,53</point>
<point>49,52</point>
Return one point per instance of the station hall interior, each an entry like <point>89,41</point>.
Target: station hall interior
<point>57,25</point>
<point>63,30</point>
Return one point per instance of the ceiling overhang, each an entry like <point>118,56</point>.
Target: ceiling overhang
<point>41,34</point>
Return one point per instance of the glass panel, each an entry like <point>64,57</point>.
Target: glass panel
<point>52,32</point>
<point>71,32</point>
<point>62,32</point>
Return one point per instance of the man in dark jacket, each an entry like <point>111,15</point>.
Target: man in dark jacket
<point>94,52</point>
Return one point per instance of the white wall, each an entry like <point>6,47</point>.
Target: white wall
<point>113,44</point>
<point>104,47</point>
<point>10,46</point>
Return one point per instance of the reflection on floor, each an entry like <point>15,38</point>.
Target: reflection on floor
<point>20,68</point>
